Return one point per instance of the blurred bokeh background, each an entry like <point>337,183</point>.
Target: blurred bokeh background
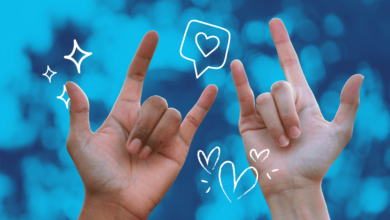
<point>334,40</point>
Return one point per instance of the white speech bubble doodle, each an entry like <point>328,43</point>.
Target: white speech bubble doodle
<point>209,67</point>
<point>196,41</point>
<point>208,158</point>
<point>235,182</point>
<point>259,154</point>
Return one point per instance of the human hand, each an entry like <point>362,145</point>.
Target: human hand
<point>288,122</point>
<point>131,161</point>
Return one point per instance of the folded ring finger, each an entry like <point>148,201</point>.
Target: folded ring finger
<point>285,103</point>
<point>266,107</point>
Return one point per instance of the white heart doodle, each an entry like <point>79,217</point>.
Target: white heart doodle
<point>208,158</point>
<point>236,181</point>
<point>259,154</point>
<point>196,41</point>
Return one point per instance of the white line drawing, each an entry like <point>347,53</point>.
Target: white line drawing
<point>49,77</point>
<point>182,43</point>
<point>234,179</point>
<point>70,56</point>
<point>259,154</point>
<point>196,41</point>
<point>62,97</point>
<point>204,181</point>
<point>274,170</point>
<point>208,158</point>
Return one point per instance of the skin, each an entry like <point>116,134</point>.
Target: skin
<point>132,160</point>
<point>288,122</point>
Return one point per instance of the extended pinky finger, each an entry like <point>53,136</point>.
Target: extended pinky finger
<point>197,114</point>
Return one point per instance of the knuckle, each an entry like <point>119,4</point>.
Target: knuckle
<point>155,142</point>
<point>275,129</point>
<point>279,86</point>
<point>292,61</point>
<point>195,122</point>
<point>137,76</point>
<point>203,107</point>
<point>158,102</point>
<point>263,98</point>
<point>174,115</point>
<point>83,110</point>
<point>287,116</point>
<point>245,99</point>
<point>141,132</point>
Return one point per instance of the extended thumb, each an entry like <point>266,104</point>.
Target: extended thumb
<point>349,103</point>
<point>79,109</point>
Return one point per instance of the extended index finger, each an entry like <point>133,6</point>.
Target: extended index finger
<point>287,56</point>
<point>197,114</point>
<point>132,87</point>
<point>244,91</point>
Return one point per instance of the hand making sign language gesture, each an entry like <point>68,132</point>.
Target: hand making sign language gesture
<point>131,161</point>
<point>288,122</point>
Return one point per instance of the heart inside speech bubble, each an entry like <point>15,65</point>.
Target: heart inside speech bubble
<point>211,40</point>
<point>237,180</point>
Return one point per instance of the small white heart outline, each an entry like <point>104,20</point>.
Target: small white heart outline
<point>208,158</point>
<point>234,179</point>
<point>259,154</point>
<point>196,41</point>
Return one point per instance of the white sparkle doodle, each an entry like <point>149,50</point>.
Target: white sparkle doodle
<point>70,56</point>
<point>51,75</point>
<point>62,97</point>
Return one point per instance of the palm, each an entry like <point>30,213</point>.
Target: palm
<point>136,181</point>
<point>107,169</point>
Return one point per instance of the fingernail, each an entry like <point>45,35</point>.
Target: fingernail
<point>283,141</point>
<point>134,146</point>
<point>295,132</point>
<point>145,152</point>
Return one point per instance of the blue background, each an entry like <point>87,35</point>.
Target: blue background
<point>334,40</point>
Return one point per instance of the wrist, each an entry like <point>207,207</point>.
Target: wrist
<point>300,203</point>
<point>95,208</point>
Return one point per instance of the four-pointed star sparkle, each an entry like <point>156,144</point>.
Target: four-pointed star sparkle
<point>47,71</point>
<point>62,97</point>
<point>70,56</point>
